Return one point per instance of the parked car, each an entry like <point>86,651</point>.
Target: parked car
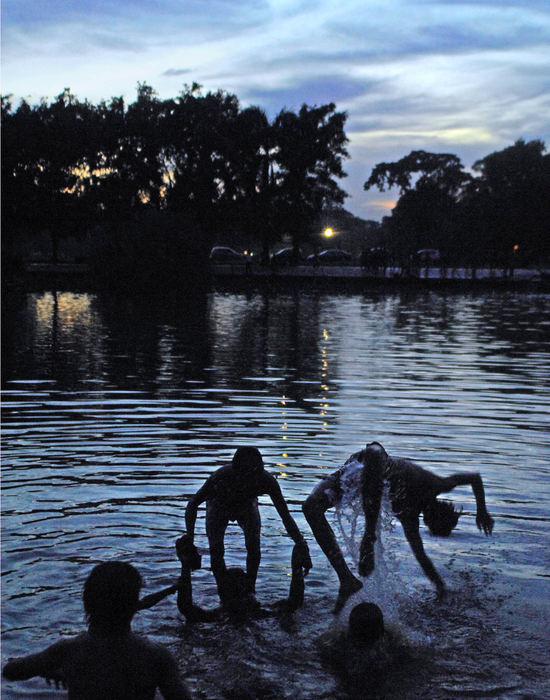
<point>286,256</point>
<point>331,256</point>
<point>427,255</point>
<point>224,254</point>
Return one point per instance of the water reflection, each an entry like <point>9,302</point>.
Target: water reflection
<point>115,410</point>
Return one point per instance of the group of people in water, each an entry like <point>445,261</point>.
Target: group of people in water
<point>109,661</point>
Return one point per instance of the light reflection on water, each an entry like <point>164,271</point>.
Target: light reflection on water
<point>115,411</point>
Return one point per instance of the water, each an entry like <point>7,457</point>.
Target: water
<point>115,410</point>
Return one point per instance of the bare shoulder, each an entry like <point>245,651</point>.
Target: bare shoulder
<point>267,483</point>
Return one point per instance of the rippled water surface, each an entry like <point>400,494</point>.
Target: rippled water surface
<point>115,410</point>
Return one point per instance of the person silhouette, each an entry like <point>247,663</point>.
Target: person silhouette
<point>362,655</point>
<point>231,494</point>
<point>412,490</point>
<point>237,597</point>
<point>108,661</point>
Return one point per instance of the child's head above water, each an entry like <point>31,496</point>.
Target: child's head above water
<point>366,624</point>
<point>111,595</point>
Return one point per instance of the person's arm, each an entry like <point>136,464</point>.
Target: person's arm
<point>273,490</point>
<point>170,684</point>
<point>45,663</point>
<point>484,521</point>
<point>297,586</point>
<point>191,612</point>
<point>412,533</point>
<point>371,494</point>
<point>193,505</point>
<point>153,598</point>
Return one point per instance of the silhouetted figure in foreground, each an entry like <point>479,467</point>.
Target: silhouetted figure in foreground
<point>231,494</point>
<point>412,490</point>
<point>237,597</point>
<point>361,656</point>
<point>108,661</point>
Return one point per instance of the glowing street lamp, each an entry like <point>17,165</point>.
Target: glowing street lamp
<point>329,232</point>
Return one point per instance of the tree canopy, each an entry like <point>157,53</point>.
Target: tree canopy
<point>199,156</point>
<point>501,216</point>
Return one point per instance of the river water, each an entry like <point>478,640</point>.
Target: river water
<point>116,409</point>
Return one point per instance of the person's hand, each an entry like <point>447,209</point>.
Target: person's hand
<point>187,553</point>
<point>484,522</point>
<point>301,558</point>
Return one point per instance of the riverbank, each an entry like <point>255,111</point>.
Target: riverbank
<point>65,275</point>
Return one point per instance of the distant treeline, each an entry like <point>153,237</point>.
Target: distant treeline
<point>197,161</point>
<point>155,183</point>
<point>499,217</point>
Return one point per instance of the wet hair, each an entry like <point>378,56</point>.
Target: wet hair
<point>441,517</point>
<point>247,460</point>
<point>366,624</point>
<point>111,595</point>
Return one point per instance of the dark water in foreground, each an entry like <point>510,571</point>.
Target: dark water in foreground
<point>115,411</point>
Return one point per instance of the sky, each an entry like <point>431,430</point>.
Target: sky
<point>445,76</point>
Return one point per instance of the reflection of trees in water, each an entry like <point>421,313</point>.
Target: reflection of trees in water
<point>126,341</point>
<point>154,342</point>
<point>479,322</point>
<point>52,335</point>
<point>269,336</point>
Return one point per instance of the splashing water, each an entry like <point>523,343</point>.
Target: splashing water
<point>385,585</point>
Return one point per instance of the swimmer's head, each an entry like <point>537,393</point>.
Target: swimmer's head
<point>111,595</point>
<point>441,517</point>
<point>247,461</point>
<point>366,624</point>
<point>235,591</point>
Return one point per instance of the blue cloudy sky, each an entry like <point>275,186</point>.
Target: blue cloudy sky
<point>441,75</point>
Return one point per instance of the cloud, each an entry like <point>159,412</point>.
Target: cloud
<point>454,75</point>
<point>176,72</point>
<point>316,91</point>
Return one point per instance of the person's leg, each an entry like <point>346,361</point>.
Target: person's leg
<point>216,525</point>
<point>251,524</point>
<point>318,502</point>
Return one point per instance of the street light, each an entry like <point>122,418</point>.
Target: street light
<point>329,232</point>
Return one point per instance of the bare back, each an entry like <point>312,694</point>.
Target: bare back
<point>126,667</point>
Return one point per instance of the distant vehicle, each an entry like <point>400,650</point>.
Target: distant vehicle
<point>374,258</point>
<point>286,256</point>
<point>332,256</point>
<point>224,254</point>
<point>427,255</point>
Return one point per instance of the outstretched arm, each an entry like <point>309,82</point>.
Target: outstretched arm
<point>191,612</point>
<point>484,521</point>
<point>371,496</point>
<point>412,533</point>
<point>153,598</point>
<point>274,491</point>
<point>45,663</point>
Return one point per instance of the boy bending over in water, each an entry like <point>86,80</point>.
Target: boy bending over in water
<point>412,490</point>
<point>231,493</point>
<point>108,661</point>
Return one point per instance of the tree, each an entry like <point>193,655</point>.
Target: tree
<point>426,214</point>
<point>514,187</point>
<point>309,149</point>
